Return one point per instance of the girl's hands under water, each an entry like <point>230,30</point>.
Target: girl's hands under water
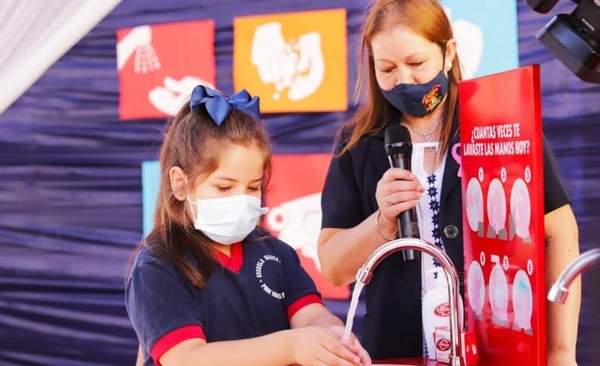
<point>323,346</point>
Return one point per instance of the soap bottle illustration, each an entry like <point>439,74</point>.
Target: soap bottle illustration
<point>436,309</point>
<point>498,293</point>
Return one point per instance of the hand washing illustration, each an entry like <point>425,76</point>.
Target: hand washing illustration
<point>496,210</point>
<point>298,222</point>
<point>520,211</point>
<point>157,78</point>
<point>294,65</point>
<point>170,96</point>
<point>138,44</point>
<point>474,206</point>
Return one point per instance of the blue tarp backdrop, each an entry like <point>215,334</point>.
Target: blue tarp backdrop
<point>70,179</point>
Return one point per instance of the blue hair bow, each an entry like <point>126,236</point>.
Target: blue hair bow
<point>218,106</point>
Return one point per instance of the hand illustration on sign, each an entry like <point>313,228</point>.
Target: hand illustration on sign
<point>476,289</point>
<point>522,299</point>
<point>474,206</point>
<point>138,43</point>
<point>520,210</point>
<point>296,66</point>
<point>496,210</point>
<point>169,97</point>
<point>298,222</point>
<point>498,293</point>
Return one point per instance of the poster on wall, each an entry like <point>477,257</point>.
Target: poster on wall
<point>160,64</point>
<point>503,215</point>
<point>296,62</point>
<point>486,34</point>
<point>294,199</point>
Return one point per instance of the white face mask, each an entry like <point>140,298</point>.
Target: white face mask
<point>227,220</point>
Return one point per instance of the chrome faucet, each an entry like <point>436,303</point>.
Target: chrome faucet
<point>365,273</point>
<point>560,289</point>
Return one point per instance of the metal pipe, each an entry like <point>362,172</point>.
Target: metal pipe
<point>365,273</point>
<point>560,289</point>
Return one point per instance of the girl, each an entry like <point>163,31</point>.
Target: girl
<point>207,286</point>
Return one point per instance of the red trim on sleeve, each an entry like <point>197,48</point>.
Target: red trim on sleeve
<point>302,302</point>
<point>173,338</point>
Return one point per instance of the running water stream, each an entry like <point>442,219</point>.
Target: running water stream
<point>358,286</point>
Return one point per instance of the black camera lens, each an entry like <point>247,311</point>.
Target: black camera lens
<point>574,39</point>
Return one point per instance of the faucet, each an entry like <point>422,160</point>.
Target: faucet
<point>560,289</point>
<point>365,273</point>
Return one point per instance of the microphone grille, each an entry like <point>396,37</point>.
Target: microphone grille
<point>396,134</point>
<point>397,140</point>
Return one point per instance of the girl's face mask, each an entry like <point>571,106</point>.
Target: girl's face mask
<point>418,99</point>
<point>227,220</point>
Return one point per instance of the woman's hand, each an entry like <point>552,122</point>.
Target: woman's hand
<point>318,346</point>
<point>398,190</point>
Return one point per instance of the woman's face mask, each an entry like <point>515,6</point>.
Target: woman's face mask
<point>418,99</point>
<point>227,220</point>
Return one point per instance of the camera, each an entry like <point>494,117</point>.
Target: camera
<point>574,39</point>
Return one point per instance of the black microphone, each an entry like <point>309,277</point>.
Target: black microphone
<point>398,147</point>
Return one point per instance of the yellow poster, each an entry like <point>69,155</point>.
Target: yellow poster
<point>295,62</point>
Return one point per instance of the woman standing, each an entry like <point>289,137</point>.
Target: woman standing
<point>413,70</point>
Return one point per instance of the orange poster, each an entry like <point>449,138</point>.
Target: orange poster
<point>159,65</point>
<point>295,62</point>
<point>294,199</point>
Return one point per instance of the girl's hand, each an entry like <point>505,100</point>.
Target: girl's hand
<point>353,344</point>
<point>319,346</point>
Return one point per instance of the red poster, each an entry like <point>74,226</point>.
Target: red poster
<point>294,199</point>
<point>503,216</point>
<point>159,65</point>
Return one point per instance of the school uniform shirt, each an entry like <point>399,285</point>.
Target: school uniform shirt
<point>255,292</point>
<point>392,325</point>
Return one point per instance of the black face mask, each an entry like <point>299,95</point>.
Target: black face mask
<point>418,99</point>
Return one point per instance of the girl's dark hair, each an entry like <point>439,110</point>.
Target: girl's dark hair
<point>196,144</point>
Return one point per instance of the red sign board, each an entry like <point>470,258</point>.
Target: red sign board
<point>503,215</point>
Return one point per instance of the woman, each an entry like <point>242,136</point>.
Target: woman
<point>413,73</point>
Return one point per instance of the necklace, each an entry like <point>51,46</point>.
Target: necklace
<point>425,135</point>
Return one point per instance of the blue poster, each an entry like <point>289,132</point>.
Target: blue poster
<point>150,180</point>
<point>487,35</point>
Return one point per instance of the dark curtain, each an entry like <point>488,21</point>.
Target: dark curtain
<point>70,183</point>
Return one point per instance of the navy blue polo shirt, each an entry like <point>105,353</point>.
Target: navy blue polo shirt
<point>255,292</point>
<point>392,325</point>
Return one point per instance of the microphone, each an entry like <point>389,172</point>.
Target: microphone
<point>398,147</point>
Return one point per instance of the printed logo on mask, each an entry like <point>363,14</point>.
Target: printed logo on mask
<point>433,98</point>
<point>264,263</point>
